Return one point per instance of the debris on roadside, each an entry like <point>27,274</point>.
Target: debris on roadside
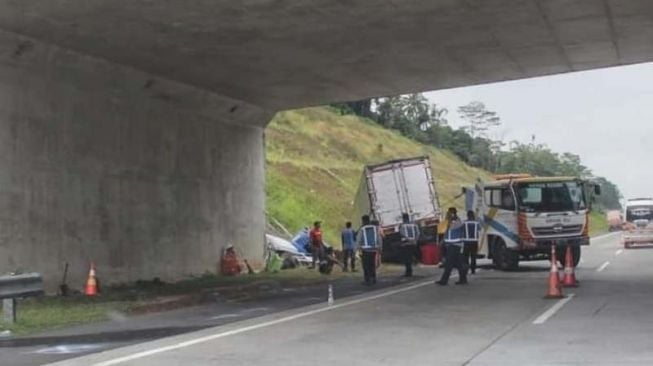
<point>5,334</point>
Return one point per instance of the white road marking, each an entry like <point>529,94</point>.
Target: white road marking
<point>619,252</point>
<point>604,236</point>
<point>600,269</point>
<point>225,316</point>
<point>552,310</point>
<point>255,310</point>
<point>66,349</point>
<point>266,324</point>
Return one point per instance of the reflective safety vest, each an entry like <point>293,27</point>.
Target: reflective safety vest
<point>455,233</point>
<point>368,238</point>
<point>409,233</point>
<point>471,231</point>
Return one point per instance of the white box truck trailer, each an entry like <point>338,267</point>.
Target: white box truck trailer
<point>389,189</point>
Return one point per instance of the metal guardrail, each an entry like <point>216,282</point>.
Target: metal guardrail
<point>13,287</point>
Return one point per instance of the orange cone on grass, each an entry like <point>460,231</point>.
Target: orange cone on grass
<point>555,289</point>
<point>570,277</point>
<point>91,282</point>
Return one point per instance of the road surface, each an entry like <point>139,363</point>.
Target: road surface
<point>499,319</point>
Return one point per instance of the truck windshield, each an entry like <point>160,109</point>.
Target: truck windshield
<point>551,197</point>
<point>639,213</point>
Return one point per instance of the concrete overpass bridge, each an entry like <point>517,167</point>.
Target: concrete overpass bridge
<point>132,131</point>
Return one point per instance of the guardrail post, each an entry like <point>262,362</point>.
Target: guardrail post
<point>9,310</point>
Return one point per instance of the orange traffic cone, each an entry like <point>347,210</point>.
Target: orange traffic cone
<point>91,282</point>
<point>570,277</point>
<point>555,290</point>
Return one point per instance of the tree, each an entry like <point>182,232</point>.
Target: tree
<point>361,107</point>
<point>479,120</point>
<point>416,109</point>
<point>413,117</point>
<point>610,198</point>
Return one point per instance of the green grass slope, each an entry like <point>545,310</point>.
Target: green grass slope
<point>598,223</point>
<point>315,158</point>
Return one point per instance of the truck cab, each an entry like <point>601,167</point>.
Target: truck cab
<point>523,216</point>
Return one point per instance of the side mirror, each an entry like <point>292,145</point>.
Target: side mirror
<point>597,190</point>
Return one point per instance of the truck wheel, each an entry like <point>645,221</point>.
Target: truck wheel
<point>504,258</point>
<point>561,252</point>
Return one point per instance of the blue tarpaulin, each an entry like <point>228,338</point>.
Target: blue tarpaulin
<point>300,240</point>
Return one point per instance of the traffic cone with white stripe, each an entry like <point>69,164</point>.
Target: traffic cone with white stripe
<point>91,282</point>
<point>555,290</point>
<point>570,277</point>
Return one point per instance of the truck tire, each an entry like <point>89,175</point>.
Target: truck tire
<point>561,252</point>
<point>504,258</point>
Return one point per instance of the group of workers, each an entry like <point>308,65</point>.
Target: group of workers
<point>460,245</point>
<point>368,239</point>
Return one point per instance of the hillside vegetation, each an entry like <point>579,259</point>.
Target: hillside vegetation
<point>315,158</point>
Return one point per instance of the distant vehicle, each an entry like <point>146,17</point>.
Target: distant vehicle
<point>638,228</point>
<point>615,220</point>
<point>400,186</point>
<point>523,216</point>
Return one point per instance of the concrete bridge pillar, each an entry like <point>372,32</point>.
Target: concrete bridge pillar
<point>99,162</point>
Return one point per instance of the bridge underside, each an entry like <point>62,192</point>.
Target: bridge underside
<point>132,131</point>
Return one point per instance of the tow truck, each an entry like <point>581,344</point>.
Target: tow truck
<point>523,216</point>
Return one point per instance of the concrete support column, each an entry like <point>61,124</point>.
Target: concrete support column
<point>99,162</point>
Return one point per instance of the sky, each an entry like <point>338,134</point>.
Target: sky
<point>605,116</point>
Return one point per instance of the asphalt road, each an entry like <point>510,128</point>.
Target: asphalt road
<point>499,319</point>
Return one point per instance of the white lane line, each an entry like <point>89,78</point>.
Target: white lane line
<point>603,266</point>
<point>619,252</point>
<point>604,236</point>
<point>255,310</point>
<point>552,310</point>
<point>211,337</point>
<point>225,316</point>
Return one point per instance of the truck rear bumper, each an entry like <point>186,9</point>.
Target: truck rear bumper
<point>639,239</point>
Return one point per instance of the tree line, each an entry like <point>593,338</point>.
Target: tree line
<point>414,117</point>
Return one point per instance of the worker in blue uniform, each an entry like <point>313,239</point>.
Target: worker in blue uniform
<point>453,240</point>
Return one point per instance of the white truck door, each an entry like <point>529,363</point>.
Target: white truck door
<point>388,204</point>
<point>420,200</point>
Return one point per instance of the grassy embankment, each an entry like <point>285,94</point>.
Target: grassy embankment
<point>315,159</point>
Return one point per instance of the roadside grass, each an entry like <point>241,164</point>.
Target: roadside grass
<point>315,158</point>
<point>56,312</point>
<point>52,312</point>
<point>598,223</point>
